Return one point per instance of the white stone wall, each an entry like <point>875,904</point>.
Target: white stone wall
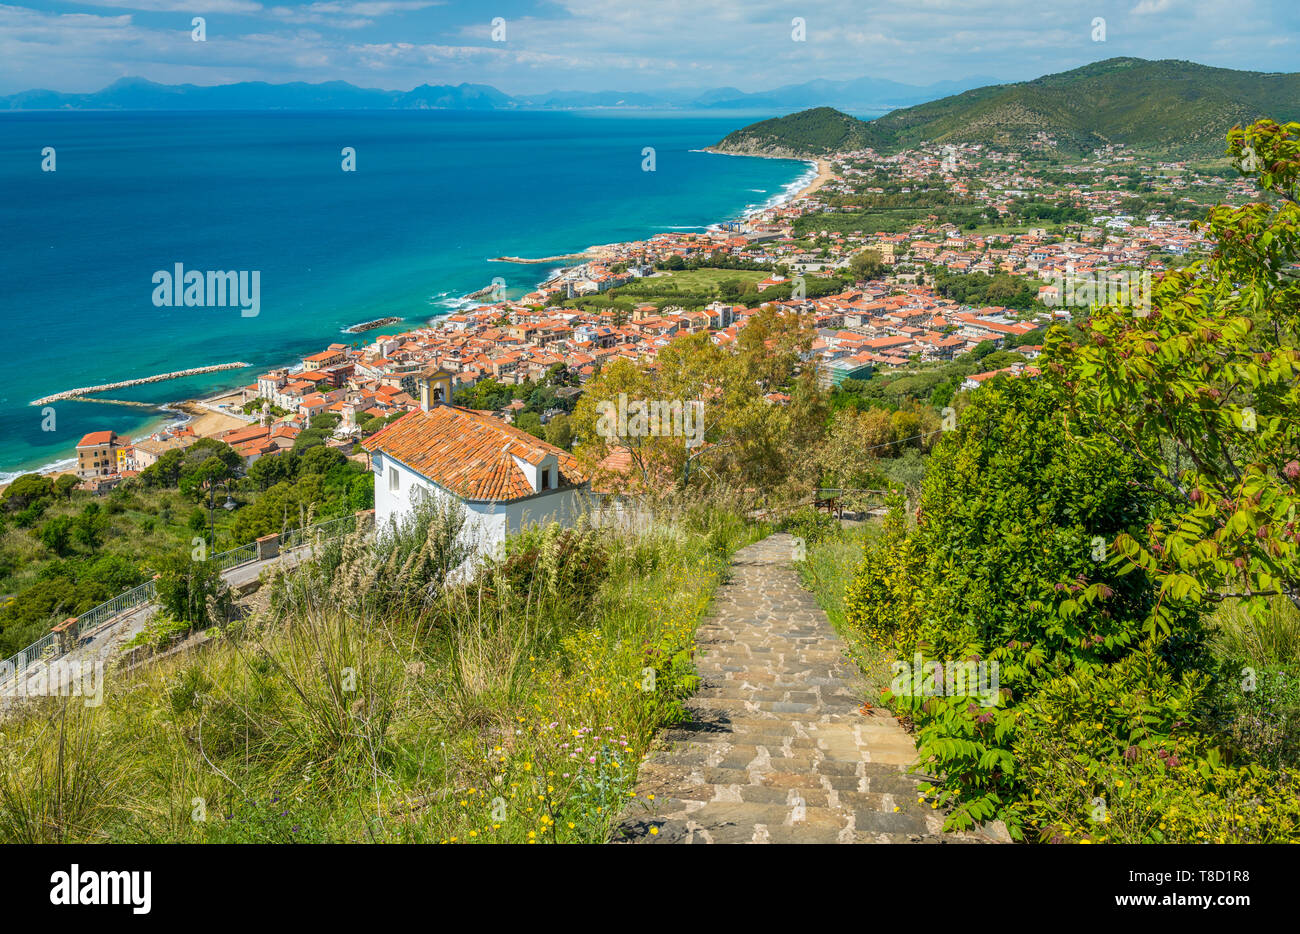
<point>487,524</point>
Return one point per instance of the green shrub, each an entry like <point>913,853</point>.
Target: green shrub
<point>1121,754</point>
<point>812,525</point>
<point>882,602</point>
<point>1005,568</point>
<point>191,592</point>
<point>1261,709</point>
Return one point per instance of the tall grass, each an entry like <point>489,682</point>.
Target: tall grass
<point>827,571</point>
<point>1267,634</point>
<point>382,697</point>
<point>61,781</point>
<point>1258,699</point>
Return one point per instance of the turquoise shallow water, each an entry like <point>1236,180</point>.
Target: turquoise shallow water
<point>434,197</point>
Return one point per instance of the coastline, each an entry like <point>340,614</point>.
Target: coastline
<point>206,423</point>
<point>189,412</point>
<point>203,421</point>
<point>824,175</point>
<point>821,166</point>
<point>563,257</point>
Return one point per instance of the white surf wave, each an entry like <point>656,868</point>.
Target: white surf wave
<point>68,463</point>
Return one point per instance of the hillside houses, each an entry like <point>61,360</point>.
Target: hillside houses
<point>894,322</point>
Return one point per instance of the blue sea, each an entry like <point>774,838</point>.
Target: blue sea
<point>434,197</point>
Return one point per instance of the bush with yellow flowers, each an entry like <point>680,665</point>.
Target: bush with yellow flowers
<point>882,603</point>
<point>1121,754</point>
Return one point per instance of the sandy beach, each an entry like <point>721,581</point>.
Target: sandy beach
<point>824,175</point>
<point>204,422</point>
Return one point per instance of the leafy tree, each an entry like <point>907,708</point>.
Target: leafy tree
<point>64,484</point>
<point>320,460</point>
<point>487,395</point>
<point>746,439</point>
<point>1007,572</point>
<point>56,535</point>
<point>189,591</point>
<point>26,490</point>
<point>190,467</point>
<point>270,469</point>
<point>867,264</point>
<point>979,288</point>
<point>942,395</point>
<point>530,422</point>
<point>309,438</point>
<point>194,480</point>
<point>90,527</point>
<point>559,431</point>
<point>848,457</point>
<point>286,505</point>
<point>1202,391</point>
<point>915,427</point>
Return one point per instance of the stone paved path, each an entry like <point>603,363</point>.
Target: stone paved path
<point>779,749</point>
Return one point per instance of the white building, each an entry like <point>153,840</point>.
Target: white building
<point>503,477</point>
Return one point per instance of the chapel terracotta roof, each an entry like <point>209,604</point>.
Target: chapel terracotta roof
<point>470,453</point>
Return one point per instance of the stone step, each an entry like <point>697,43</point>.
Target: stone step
<point>781,747</point>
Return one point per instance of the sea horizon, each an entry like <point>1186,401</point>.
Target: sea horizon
<point>417,279</point>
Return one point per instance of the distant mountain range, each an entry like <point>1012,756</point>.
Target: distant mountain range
<point>862,95</point>
<point>1174,107</point>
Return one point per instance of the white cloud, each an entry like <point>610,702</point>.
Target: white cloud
<point>631,44</point>
<point>203,8</point>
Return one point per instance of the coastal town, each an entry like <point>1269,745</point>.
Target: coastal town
<point>966,212</point>
<point>742,426</point>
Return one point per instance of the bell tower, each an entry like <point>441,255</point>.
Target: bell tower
<point>435,388</point>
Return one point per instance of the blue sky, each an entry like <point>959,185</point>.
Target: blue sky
<point>82,45</point>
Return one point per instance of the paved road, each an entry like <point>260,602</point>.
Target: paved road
<point>109,639</point>
<point>778,749</point>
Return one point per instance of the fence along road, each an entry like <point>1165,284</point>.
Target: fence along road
<point>100,629</point>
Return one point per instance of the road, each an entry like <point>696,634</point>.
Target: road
<point>100,645</point>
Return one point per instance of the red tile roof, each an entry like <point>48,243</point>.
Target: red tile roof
<point>469,453</point>
<point>97,437</point>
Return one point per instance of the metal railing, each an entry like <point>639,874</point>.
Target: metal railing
<point>44,647</point>
<point>136,596</point>
<point>47,646</point>
<point>233,558</point>
<point>331,528</point>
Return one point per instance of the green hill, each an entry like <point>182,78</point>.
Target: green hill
<point>813,132</point>
<point>1174,107</point>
